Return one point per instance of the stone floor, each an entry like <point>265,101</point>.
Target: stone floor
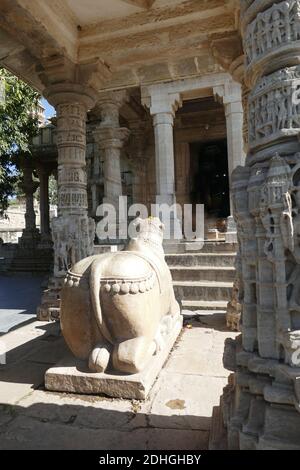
<point>177,414</point>
<point>19,297</point>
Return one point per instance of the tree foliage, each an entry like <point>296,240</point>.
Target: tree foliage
<point>18,125</point>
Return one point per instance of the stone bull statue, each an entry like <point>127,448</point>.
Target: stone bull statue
<point>118,307</point>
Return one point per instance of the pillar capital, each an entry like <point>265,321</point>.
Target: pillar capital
<point>230,92</point>
<point>108,107</point>
<point>107,137</point>
<point>159,100</point>
<point>71,93</point>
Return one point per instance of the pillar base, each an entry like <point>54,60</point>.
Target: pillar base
<point>30,238</point>
<point>49,310</point>
<point>260,397</point>
<point>45,242</point>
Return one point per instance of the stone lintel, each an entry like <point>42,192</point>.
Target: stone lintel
<point>72,375</point>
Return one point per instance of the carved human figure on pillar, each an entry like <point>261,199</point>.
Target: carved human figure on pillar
<point>296,23</point>
<point>292,230</point>
<point>276,27</point>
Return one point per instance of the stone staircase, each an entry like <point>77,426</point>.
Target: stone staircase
<point>16,260</point>
<point>203,279</point>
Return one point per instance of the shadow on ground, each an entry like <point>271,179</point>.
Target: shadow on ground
<point>33,418</point>
<point>19,297</point>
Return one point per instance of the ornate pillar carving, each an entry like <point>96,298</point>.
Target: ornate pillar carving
<point>43,174</point>
<point>72,230</point>
<point>261,405</point>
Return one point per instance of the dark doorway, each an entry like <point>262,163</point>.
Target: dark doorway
<point>209,177</point>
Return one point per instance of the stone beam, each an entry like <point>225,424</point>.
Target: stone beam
<point>44,28</point>
<point>193,87</point>
<point>143,37</point>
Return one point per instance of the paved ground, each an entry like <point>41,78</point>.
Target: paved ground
<point>19,297</point>
<point>177,415</point>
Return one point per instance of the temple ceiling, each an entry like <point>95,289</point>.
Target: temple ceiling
<point>134,41</point>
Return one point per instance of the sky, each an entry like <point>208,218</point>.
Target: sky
<point>49,110</point>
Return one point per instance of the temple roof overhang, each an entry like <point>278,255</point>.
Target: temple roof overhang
<point>120,43</point>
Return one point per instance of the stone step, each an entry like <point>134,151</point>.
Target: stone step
<point>201,259</point>
<point>196,247</point>
<point>205,307</point>
<point>27,265</point>
<point>203,290</point>
<point>203,273</point>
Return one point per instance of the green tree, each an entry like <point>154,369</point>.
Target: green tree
<point>18,125</point>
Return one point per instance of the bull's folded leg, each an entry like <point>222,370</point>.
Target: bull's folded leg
<point>99,357</point>
<point>132,355</point>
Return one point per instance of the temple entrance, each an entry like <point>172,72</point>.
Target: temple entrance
<point>210,183</point>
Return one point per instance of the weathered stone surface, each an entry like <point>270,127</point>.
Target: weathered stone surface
<point>265,193</point>
<point>27,433</point>
<point>186,400</point>
<point>207,363</point>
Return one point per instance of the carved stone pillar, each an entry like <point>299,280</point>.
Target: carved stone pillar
<point>231,97</point>
<point>139,138</point>
<point>262,404</point>
<point>30,236</point>
<point>163,106</point>
<point>43,174</point>
<point>235,142</point>
<point>110,138</point>
<point>72,230</point>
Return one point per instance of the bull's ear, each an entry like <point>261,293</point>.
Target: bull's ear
<point>162,226</point>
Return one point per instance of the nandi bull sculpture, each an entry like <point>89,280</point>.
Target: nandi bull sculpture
<point>116,308</point>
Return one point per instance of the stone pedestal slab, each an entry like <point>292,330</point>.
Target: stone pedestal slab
<point>73,375</point>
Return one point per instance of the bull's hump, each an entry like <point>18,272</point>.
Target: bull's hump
<point>126,265</point>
